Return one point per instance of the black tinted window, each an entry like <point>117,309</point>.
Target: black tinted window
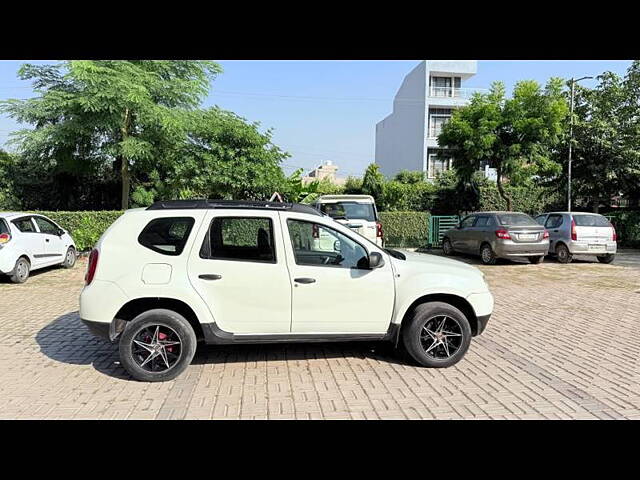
<point>591,221</point>
<point>349,210</point>
<point>166,235</point>
<point>3,227</point>
<point>554,221</point>
<point>317,245</point>
<point>482,222</point>
<point>46,226</point>
<point>515,219</point>
<point>24,225</point>
<point>467,222</point>
<point>540,219</point>
<point>240,238</point>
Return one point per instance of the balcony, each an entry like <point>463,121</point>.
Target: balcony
<point>452,92</point>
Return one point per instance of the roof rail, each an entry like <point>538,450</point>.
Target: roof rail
<point>231,204</point>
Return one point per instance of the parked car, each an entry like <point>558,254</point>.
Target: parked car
<point>582,233</point>
<point>162,278</point>
<point>494,235</point>
<point>358,212</point>
<point>29,242</point>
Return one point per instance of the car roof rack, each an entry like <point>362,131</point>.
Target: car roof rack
<point>232,204</point>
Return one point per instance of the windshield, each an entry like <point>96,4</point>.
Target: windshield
<point>508,219</point>
<point>591,221</point>
<point>349,210</point>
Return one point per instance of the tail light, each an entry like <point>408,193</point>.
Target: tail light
<point>315,231</point>
<point>91,268</point>
<point>574,234</point>
<point>379,232</point>
<point>4,238</point>
<point>615,235</point>
<point>545,235</point>
<point>503,234</point>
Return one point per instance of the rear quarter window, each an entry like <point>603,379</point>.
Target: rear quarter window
<point>167,236</point>
<point>3,227</point>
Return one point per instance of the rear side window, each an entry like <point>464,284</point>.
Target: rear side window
<point>24,225</point>
<point>248,239</point>
<point>591,221</point>
<point>482,222</point>
<point>167,235</point>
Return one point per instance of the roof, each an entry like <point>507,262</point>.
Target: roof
<point>232,204</point>
<point>12,214</point>
<point>345,197</point>
<point>573,213</point>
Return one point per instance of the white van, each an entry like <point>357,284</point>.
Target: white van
<point>357,212</point>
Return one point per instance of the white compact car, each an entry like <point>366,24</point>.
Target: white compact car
<point>163,278</point>
<point>358,212</point>
<point>29,241</point>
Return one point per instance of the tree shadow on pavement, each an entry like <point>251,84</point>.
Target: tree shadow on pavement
<point>68,340</point>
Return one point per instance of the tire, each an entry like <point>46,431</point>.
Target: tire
<point>487,255</point>
<point>419,343</point>
<point>563,254</point>
<point>447,248</point>
<point>152,328</point>
<point>20,271</point>
<point>69,258</point>
<point>536,259</point>
<point>608,258</point>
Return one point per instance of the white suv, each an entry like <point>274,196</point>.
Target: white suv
<point>163,278</point>
<point>29,241</point>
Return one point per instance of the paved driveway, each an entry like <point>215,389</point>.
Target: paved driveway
<point>564,342</point>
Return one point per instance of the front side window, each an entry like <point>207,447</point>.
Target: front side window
<point>46,226</point>
<point>167,236</point>
<point>25,225</point>
<point>467,222</point>
<point>349,211</point>
<point>318,245</point>
<point>248,239</point>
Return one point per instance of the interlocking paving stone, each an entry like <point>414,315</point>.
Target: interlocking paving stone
<point>564,342</point>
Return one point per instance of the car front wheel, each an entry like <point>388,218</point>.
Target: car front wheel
<point>157,346</point>
<point>437,335</point>
<point>447,248</point>
<point>563,253</point>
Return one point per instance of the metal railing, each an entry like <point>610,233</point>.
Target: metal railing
<point>438,225</point>
<point>452,92</point>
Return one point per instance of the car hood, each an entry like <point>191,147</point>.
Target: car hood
<point>432,263</point>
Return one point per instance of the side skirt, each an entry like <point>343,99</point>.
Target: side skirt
<point>215,336</point>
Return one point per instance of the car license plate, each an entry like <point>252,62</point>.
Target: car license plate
<point>594,246</point>
<point>528,237</point>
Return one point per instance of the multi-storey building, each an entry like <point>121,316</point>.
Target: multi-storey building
<point>407,138</point>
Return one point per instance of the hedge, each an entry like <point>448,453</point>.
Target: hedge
<point>84,227</point>
<point>405,229</point>
<point>627,225</point>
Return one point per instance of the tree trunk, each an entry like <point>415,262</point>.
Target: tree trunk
<point>124,168</point>
<point>503,194</point>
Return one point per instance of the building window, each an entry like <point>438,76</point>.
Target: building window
<point>437,164</point>
<point>437,118</point>
<point>445,86</point>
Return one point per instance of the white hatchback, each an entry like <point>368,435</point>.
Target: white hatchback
<point>30,241</point>
<point>162,278</point>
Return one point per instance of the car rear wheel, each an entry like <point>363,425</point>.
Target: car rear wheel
<point>563,253</point>
<point>486,255</point>
<point>608,258</point>
<point>537,259</point>
<point>69,258</point>
<point>447,248</point>
<point>20,271</point>
<point>157,346</point>
<point>437,335</point>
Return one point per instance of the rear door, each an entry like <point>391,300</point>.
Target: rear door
<point>30,240</point>
<point>241,272</point>
<point>54,246</point>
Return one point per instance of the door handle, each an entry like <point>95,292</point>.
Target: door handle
<point>210,276</point>
<point>555,231</point>
<point>304,280</point>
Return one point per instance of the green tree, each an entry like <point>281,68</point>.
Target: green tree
<point>123,113</point>
<point>7,172</point>
<point>373,182</point>
<point>516,136</point>
<point>409,177</point>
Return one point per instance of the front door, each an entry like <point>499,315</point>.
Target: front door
<point>54,247</point>
<point>241,272</point>
<point>333,291</point>
<point>554,226</point>
<point>462,236</point>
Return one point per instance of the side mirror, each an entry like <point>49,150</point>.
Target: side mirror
<point>60,232</point>
<point>375,260</point>
<point>336,246</point>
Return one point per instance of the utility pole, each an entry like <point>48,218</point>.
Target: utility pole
<point>573,83</point>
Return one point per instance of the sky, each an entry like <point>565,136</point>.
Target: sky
<point>328,110</point>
